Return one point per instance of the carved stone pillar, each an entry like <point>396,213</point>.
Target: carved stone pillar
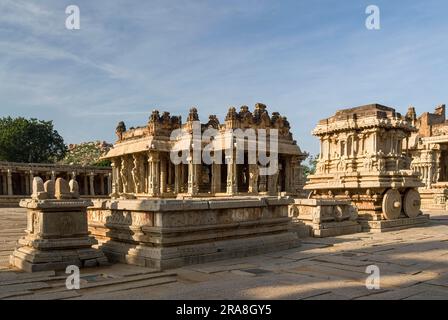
<point>232,187</point>
<point>163,175</point>
<point>154,174</point>
<point>9,178</point>
<point>53,175</point>
<point>169,185</point>
<point>137,181</point>
<point>115,187</point>
<point>216,178</point>
<point>109,183</point>
<point>125,175</point>
<point>193,187</point>
<point>253,178</point>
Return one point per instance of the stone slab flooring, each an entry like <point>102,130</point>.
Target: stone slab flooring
<point>413,264</point>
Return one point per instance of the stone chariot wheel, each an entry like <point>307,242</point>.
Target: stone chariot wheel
<point>411,203</point>
<point>392,204</point>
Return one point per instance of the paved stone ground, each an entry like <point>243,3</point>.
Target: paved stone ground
<point>413,265</point>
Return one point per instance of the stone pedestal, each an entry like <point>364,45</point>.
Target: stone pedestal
<point>171,233</point>
<point>57,236</point>
<point>326,218</point>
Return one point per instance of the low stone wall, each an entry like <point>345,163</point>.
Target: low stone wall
<point>324,217</point>
<point>172,233</point>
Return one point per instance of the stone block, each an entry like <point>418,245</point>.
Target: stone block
<point>325,218</point>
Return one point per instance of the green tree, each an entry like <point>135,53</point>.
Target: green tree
<point>310,166</point>
<point>30,140</point>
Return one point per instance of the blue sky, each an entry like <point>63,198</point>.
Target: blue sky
<point>304,59</point>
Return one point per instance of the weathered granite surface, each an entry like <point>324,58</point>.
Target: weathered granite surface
<point>171,232</point>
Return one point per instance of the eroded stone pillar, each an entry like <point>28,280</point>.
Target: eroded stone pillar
<point>193,187</point>
<point>163,175</point>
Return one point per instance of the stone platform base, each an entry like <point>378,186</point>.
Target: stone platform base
<point>324,217</point>
<point>34,260</point>
<point>396,224</point>
<point>170,233</point>
<point>301,229</point>
<point>332,229</point>
<point>167,258</point>
<point>434,199</point>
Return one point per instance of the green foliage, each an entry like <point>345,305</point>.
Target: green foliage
<point>30,140</point>
<point>87,153</point>
<point>310,166</point>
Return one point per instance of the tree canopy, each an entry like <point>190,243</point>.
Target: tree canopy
<point>30,140</point>
<point>310,167</point>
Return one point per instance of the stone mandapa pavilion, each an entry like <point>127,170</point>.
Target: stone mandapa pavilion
<point>142,167</point>
<point>364,158</point>
<point>165,214</point>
